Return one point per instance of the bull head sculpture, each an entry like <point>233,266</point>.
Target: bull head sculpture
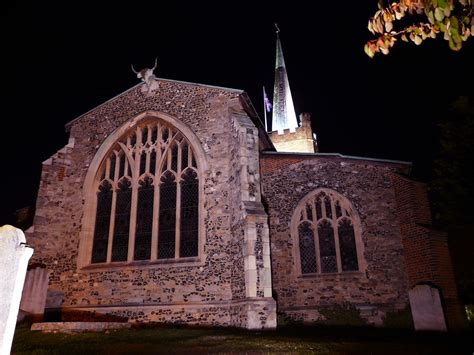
<point>146,74</point>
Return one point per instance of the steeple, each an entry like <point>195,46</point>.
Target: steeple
<point>286,135</point>
<point>284,116</point>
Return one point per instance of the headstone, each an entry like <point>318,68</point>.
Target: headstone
<point>14,257</point>
<point>35,289</point>
<point>426,309</point>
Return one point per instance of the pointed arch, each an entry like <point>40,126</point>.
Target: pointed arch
<point>326,234</point>
<point>141,151</point>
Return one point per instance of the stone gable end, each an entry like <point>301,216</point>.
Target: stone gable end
<point>215,290</point>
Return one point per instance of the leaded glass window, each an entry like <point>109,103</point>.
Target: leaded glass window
<point>167,219</point>
<point>327,237</point>
<point>102,222</point>
<point>147,197</point>
<point>142,163</point>
<point>122,220</point>
<point>189,214</point>
<point>347,245</point>
<point>144,219</point>
<point>307,248</point>
<point>327,246</point>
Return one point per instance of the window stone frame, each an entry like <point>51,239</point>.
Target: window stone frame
<point>296,220</point>
<point>91,184</point>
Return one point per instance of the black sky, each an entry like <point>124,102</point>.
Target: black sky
<point>61,60</point>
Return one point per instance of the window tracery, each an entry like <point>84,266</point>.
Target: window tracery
<point>327,234</point>
<point>147,201</point>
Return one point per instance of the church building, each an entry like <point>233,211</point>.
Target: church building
<point>171,203</point>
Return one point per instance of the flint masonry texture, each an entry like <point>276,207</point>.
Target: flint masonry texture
<point>227,288</point>
<point>248,262</point>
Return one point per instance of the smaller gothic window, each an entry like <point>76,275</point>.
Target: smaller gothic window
<point>329,243</point>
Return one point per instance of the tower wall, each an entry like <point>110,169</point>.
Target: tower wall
<point>300,141</point>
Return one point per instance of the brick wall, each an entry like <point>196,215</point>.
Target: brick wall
<point>427,255</point>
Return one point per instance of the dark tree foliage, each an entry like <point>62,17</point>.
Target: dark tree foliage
<point>451,19</point>
<point>452,190</point>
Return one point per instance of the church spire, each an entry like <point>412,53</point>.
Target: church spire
<point>284,116</point>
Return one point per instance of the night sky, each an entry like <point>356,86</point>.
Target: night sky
<point>59,61</point>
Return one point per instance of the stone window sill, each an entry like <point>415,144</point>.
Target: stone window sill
<point>331,274</point>
<point>164,263</point>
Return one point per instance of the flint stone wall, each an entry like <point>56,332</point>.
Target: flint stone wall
<point>119,290</point>
<point>382,286</point>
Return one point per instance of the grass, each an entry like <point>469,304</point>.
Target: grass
<point>290,340</point>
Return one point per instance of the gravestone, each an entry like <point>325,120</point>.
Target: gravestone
<point>426,308</point>
<point>33,299</point>
<point>14,257</point>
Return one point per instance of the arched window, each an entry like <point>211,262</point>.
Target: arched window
<point>327,234</point>
<point>147,201</point>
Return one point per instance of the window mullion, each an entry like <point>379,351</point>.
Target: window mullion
<point>107,167</point>
<point>314,225</point>
<point>156,204</point>
<point>111,225</point>
<point>112,210</point>
<point>178,205</point>
<point>154,228</point>
<point>323,206</point>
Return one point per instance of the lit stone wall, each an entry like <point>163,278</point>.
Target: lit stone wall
<point>299,141</point>
<point>212,292</point>
<point>382,284</point>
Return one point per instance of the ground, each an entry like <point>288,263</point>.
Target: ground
<point>294,340</point>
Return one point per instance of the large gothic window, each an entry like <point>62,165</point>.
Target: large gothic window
<point>147,201</point>
<point>325,228</point>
